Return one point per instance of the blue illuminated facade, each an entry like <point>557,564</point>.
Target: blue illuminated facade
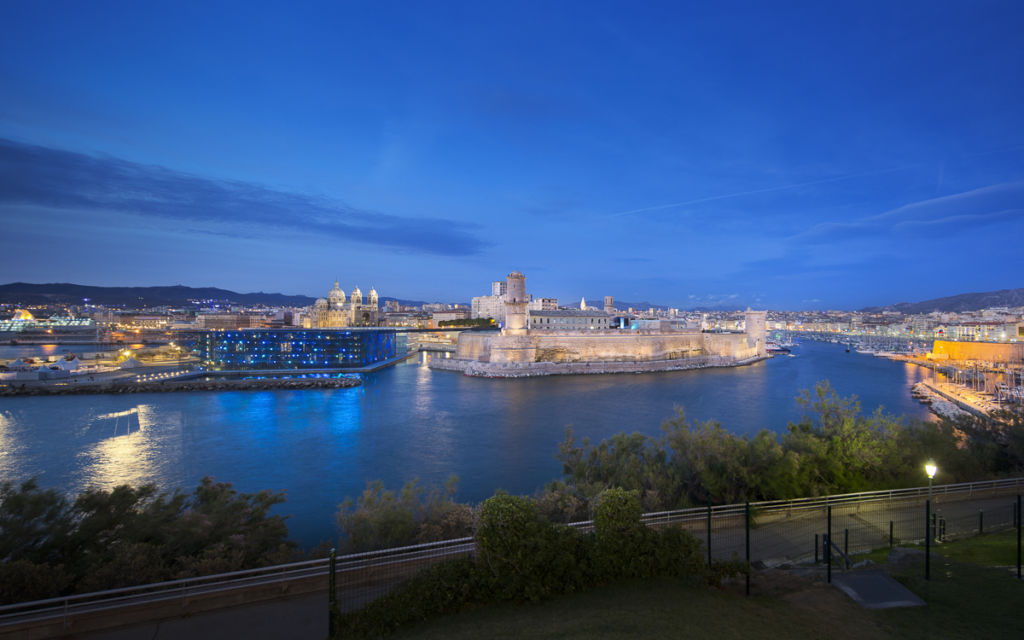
<point>249,349</point>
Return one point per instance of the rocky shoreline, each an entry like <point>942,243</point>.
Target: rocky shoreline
<point>180,385</point>
<point>532,369</point>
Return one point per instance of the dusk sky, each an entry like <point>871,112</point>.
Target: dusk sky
<point>772,154</point>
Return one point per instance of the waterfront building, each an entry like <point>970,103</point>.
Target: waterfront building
<point>255,349</point>
<point>569,320</point>
<point>225,321</point>
<point>447,316</point>
<point>24,327</point>
<point>543,304</point>
<point>406,319</point>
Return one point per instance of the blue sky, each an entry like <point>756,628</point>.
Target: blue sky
<point>779,155</point>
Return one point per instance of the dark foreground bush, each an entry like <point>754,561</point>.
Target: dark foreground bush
<point>523,558</point>
<point>131,535</point>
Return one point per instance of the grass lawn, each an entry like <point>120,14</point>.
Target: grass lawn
<point>662,609</point>
<point>964,601</point>
<point>990,550</point>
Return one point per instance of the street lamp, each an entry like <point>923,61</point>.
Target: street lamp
<point>930,469</point>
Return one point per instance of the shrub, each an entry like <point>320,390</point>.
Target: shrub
<point>381,518</point>
<point>623,546</point>
<point>445,587</point>
<point>524,557</point>
<point>124,536</point>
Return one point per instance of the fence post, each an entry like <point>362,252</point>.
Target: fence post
<point>332,594</point>
<point>927,539</point>
<point>815,548</point>
<point>709,532</point>
<point>846,544</point>
<point>828,543</point>
<point>748,512</point>
<point>1018,535</point>
<point>981,522</point>
<point>890,534</point>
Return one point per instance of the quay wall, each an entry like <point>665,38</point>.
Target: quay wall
<point>532,369</point>
<point>600,347</point>
<point>738,346</point>
<point>156,386</point>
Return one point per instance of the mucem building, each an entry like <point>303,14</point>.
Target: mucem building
<point>247,349</point>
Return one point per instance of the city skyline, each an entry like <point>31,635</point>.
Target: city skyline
<point>818,157</point>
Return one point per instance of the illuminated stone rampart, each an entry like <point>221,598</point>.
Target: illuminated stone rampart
<point>1007,353</point>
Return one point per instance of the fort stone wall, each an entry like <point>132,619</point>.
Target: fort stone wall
<point>1008,353</point>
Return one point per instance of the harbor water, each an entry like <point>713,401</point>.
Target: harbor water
<point>406,422</point>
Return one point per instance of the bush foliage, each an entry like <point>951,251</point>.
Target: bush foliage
<point>522,557</point>
<point>126,536</point>
<point>833,449</point>
<point>381,518</point>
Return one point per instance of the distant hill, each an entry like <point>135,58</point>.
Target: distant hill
<point>962,302</point>
<point>134,297</point>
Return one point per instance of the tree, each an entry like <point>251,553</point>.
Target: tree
<point>381,518</point>
<point>34,524</point>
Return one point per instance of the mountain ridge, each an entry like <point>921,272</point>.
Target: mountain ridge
<point>957,303</point>
<point>66,293</point>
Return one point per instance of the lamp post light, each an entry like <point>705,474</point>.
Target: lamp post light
<point>930,469</point>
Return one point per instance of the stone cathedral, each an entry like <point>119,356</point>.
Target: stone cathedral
<point>337,311</point>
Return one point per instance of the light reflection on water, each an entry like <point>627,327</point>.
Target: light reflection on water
<point>405,422</point>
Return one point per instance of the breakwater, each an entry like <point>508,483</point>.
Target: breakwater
<point>119,387</point>
<point>533,369</point>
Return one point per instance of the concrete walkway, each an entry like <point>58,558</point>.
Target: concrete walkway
<point>876,590</point>
<point>301,618</point>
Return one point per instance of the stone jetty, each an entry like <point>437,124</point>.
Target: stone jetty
<point>532,369</point>
<point>215,384</point>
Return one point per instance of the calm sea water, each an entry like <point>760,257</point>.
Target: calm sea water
<point>405,422</point>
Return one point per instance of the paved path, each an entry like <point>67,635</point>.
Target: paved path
<point>301,618</point>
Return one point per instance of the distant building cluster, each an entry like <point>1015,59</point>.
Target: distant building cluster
<point>997,324</point>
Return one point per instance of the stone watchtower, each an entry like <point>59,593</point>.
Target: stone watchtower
<point>754,323</point>
<point>515,305</point>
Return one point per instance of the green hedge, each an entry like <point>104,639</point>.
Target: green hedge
<point>522,557</point>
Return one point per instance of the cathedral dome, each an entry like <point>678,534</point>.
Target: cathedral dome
<point>336,297</point>
<point>357,296</point>
<point>373,296</point>
<point>320,303</point>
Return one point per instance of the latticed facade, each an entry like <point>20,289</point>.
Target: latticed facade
<point>298,348</point>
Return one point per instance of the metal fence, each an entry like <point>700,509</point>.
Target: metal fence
<point>780,532</point>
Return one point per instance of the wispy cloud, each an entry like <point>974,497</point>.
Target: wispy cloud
<point>993,204</point>
<point>61,179</point>
<point>738,194</point>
